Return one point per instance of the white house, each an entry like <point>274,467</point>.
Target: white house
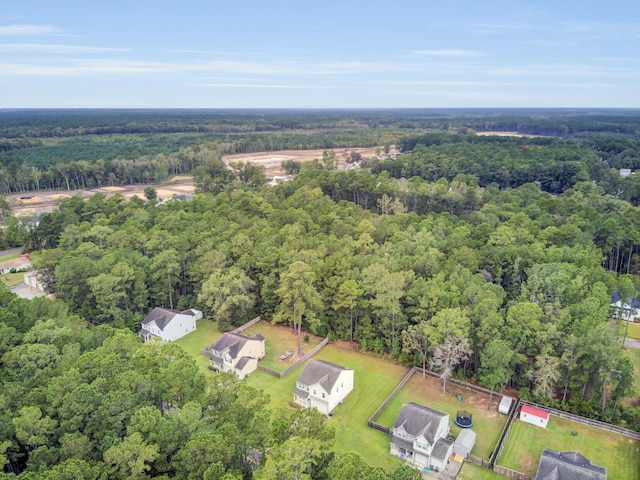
<point>322,385</point>
<point>236,353</point>
<point>420,436</point>
<point>628,309</point>
<point>534,416</point>
<point>570,465</point>
<point>168,325</point>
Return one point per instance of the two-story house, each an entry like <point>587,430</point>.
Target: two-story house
<point>237,353</point>
<point>322,385</point>
<point>420,436</point>
<point>168,325</point>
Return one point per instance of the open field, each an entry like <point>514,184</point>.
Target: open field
<point>471,471</point>
<point>618,454</point>
<point>488,424</point>
<point>279,339</point>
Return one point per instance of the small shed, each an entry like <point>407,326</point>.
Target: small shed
<point>465,442</point>
<point>534,416</point>
<point>505,405</point>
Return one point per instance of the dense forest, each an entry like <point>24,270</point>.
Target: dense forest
<point>505,249</point>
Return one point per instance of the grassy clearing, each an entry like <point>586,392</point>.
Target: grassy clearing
<point>375,379</point>
<point>635,355</point>
<point>633,330</point>
<point>279,339</point>
<point>11,256</point>
<point>206,333</point>
<point>618,454</point>
<point>471,471</point>
<point>11,279</point>
<point>487,423</point>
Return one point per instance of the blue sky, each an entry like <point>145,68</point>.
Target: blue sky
<point>329,54</point>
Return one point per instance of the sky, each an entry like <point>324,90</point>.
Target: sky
<point>321,54</point>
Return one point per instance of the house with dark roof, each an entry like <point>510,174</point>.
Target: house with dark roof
<point>167,325</point>
<point>236,353</point>
<point>628,309</point>
<point>322,385</point>
<point>568,466</point>
<point>420,436</point>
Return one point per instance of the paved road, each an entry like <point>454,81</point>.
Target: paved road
<point>632,343</point>
<point>10,251</point>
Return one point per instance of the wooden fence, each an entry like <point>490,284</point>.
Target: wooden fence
<point>269,371</point>
<point>507,472</point>
<point>497,451</point>
<point>371,423</point>
<point>588,421</point>
<point>250,323</point>
<point>478,461</point>
<point>304,358</point>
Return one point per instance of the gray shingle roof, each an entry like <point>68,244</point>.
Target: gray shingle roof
<point>441,448</point>
<point>418,419</point>
<point>322,372</point>
<point>568,466</point>
<point>242,362</point>
<point>161,317</point>
<point>234,342</point>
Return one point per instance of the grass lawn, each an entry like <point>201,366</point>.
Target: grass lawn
<point>488,424</point>
<point>635,355</point>
<point>11,256</point>
<point>279,339</point>
<point>633,330</point>
<point>11,279</point>
<point>618,454</point>
<point>205,334</point>
<point>374,380</point>
<point>471,471</point>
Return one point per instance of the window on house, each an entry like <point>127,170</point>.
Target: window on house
<point>314,391</point>
<point>323,395</point>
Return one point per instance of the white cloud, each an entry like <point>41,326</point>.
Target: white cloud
<point>448,53</point>
<point>51,48</point>
<point>27,29</point>
<point>255,85</point>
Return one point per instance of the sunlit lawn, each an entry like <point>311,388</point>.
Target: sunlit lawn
<point>471,471</point>
<point>632,330</point>
<point>488,424</point>
<point>205,334</point>
<point>279,339</point>
<point>374,380</point>
<point>11,256</point>
<point>635,355</point>
<point>620,455</point>
<point>11,279</point>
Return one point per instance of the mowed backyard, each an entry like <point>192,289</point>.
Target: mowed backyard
<point>620,455</point>
<point>488,424</point>
<point>374,380</point>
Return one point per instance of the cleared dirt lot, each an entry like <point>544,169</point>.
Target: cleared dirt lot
<point>272,160</point>
<point>47,200</point>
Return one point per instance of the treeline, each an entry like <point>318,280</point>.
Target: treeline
<point>93,402</point>
<point>404,268</point>
<point>509,162</point>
